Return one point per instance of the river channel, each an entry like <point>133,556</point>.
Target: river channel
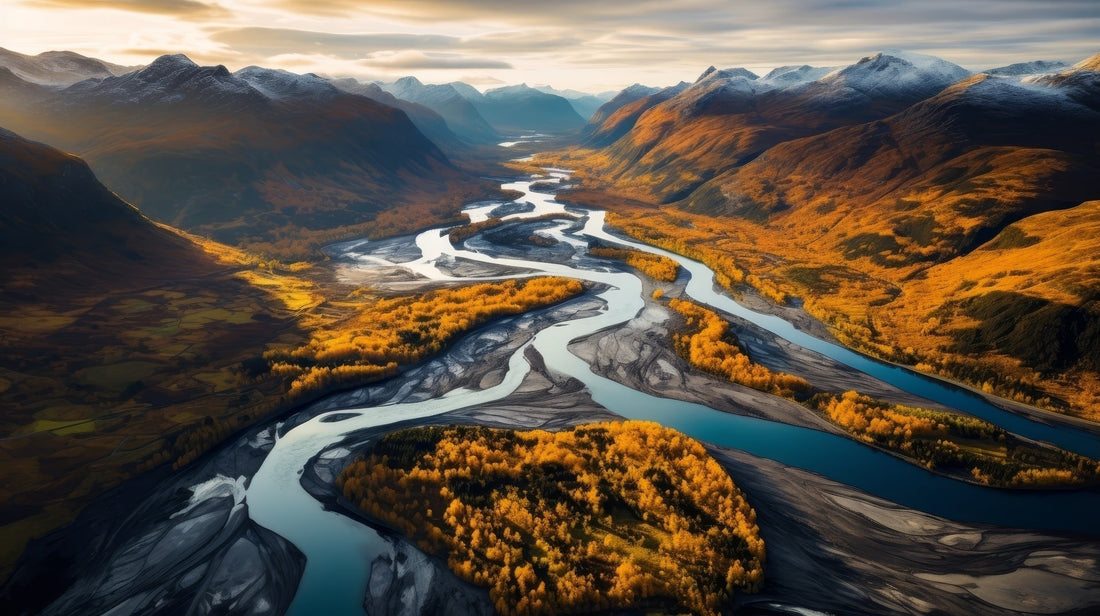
<point>339,550</point>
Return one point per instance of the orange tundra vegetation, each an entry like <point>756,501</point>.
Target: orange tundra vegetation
<point>941,317</point>
<point>710,346</point>
<point>658,267</point>
<point>614,515</point>
<point>956,444</point>
<point>382,334</point>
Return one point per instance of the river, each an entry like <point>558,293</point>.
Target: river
<point>339,550</point>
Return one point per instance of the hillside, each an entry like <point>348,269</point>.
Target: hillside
<point>58,68</point>
<point>118,335</point>
<point>459,113</point>
<point>928,236</point>
<point>520,108</point>
<point>261,158</point>
<point>667,145</point>
<point>126,345</point>
<point>427,121</point>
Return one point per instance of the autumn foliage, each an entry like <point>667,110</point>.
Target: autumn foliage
<point>709,345</point>
<point>658,267</point>
<point>381,335</point>
<point>609,515</point>
<point>956,443</point>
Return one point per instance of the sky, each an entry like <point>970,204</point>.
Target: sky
<point>590,45</point>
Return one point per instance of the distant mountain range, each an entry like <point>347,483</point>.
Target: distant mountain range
<point>459,113</point>
<point>521,108</point>
<point>58,68</point>
<point>583,103</point>
<point>244,156</point>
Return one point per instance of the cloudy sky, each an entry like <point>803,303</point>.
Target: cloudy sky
<point>591,45</point>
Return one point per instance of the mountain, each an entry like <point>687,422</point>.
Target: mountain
<point>247,157</point>
<point>795,74</point>
<point>120,342</point>
<point>620,99</point>
<point>58,68</point>
<point>467,91</point>
<point>426,120</point>
<point>583,103</point>
<point>58,221</point>
<point>522,108</point>
<point>666,147</point>
<point>279,85</point>
<point>1036,67</point>
<point>956,234</point>
<point>1029,148</point>
<point>620,115</point>
<point>461,116</point>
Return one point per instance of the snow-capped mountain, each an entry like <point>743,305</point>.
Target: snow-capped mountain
<point>278,84</point>
<point>794,74</point>
<point>170,80</point>
<point>230,154</point>
<point>58,68</point>
<point>890,74</point>
<point>1035,67</point>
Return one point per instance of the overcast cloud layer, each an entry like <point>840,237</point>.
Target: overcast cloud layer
<point>568,43</point>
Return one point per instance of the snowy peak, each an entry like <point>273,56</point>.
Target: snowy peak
<point>57,68</point>
<point>169,80</point>
<point>280,84</point>
<point>636,91</point>
<point>727,73</point>
<point>519,90</point>
<point>795,74</point>
<point>467,91</point>
<point>889,75</point>
<point>408,82</point>
<point>1037,67</point>
<point>902,69</point>
<point>169,63</point>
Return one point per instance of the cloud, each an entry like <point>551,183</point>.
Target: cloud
<point>415,60</point>
<point>580,42</point>
<point>276,41</point>
<point>191,9</point>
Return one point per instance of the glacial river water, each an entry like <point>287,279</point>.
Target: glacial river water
<point>339,550</point>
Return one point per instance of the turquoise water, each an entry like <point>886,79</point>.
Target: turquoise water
<point>339,550</point>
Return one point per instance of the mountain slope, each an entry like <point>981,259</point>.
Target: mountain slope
<point>956,235</point>
<point>967,162</point>
<point>610,124</point>
<point>728,117</point>
<point>625,97</point>
<point>522,108</point>
<point>121,341</point>
<point>58,68</point>
<point>211,152</point>
<point>583,103</point>
<point>459,113</point>
<point>427,121</point>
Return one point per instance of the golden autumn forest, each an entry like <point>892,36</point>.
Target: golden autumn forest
<point>608,515</point>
